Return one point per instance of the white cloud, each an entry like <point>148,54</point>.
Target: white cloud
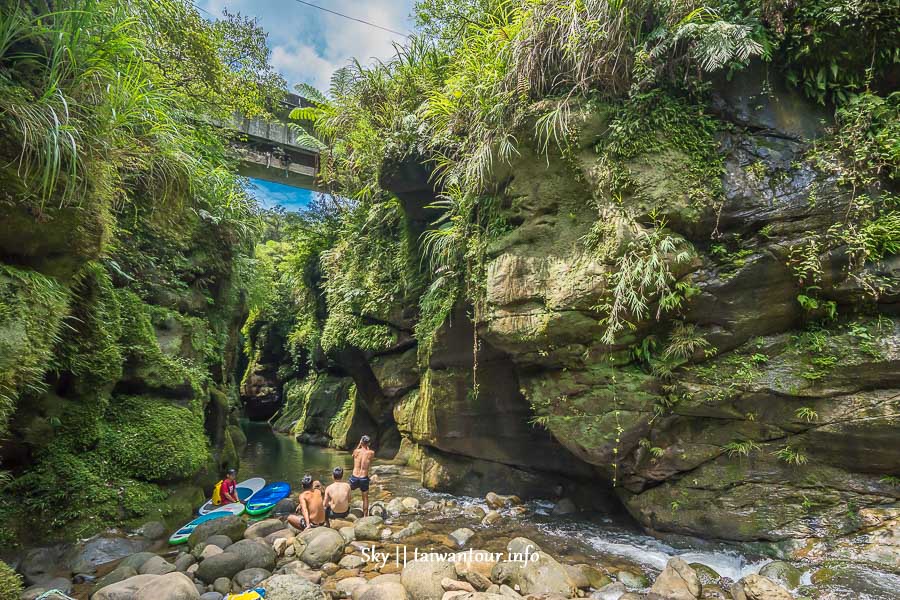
<point>308,45</point>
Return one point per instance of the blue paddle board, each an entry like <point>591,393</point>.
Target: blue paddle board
<point>244,489</point>
<point>182,535</point>
<point>265,499</point>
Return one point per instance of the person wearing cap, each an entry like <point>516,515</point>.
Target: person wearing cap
<point>310,507</point>
<point>337,496</point>
<point>362,458</point>
<point>229,487</point>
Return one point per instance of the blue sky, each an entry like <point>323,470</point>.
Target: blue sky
<point>308,45</point>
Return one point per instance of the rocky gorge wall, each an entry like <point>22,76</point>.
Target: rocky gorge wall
<point>776,423</point>
<point>116,362</point>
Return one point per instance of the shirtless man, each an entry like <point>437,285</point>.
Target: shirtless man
<point>310,506</point>
<point>362,458</point>
<point>337,496</point>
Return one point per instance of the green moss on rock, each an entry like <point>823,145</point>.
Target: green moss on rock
<point>155,440</point>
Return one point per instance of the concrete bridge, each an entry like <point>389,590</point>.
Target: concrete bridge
<point>269,151</point>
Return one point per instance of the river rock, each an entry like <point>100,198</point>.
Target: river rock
<point>454,585</point>
<point>505,590</point>
<point>410,504</point>
<point>348,533</point>
<point>564,507</point>
<point>58,583</point>
<point>222,585</point>
<point>226,564</point>
<point>387,578</point>
<point>291,587</point>
<point>578,576</point>
<point>209,550</point>
<point>153,530</point>
<point>286,506</point>
<point>522,546</point>
<point>120,573</point>
<point>490,518</point>
<point>263,528</point>
<point>474,561</point>
<point>250,578</point>
<point>184,562</point>
<point>461,536</point>
<point>707,575</point>
<point>395,507</point>
<point>422,578</point>
<point>782,573</point>
<point>43,564</point>
<point>612,591</point>
<point>345,587</point>
<point>301,569</point>
<point>474,512</point>
<point>478,581</point>
<point>368,528</point>
<point>232,526</point>
<point>757,587</point>
<point>497,501</point>
<point>632,580</point>
<point>351,561</point>
<point>85,557</point>
<point>678,581</point>
<point>172,586</point>
<point>156,566</point>
<point>281,534</point>
<point>540,574</point>
<point>125,589</point>
<point>414,528</point>
<point>318,546</point>
<point>254,553</point>
<point>211,596</point>
<point>388,590</point>
<point>385,470</point>
<point>220,540</point>
<point>714,592</point>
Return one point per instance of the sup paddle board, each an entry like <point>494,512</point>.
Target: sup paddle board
<point>182,535</point>
<point>265,499</point>
<point>245,490</point>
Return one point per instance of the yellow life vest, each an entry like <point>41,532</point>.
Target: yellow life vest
<point>217,493</point>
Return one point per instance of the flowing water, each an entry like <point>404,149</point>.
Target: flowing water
<point>613,543</point>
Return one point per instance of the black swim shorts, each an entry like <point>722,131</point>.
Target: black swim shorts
<point>360,483</point>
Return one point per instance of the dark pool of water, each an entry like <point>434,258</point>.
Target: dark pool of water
<point>280,458</point>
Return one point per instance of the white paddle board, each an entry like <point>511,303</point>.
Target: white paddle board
<point>245,490</point>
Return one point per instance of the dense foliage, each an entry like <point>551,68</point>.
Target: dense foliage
<point>487,79</point>
<point>129,233</point>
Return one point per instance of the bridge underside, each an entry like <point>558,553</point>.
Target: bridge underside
<point>277,165</point>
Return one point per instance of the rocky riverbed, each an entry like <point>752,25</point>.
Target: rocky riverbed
<point>408,549</point>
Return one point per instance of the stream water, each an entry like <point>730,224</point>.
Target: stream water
<point>613,543</point>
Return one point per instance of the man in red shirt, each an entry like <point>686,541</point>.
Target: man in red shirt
<point>229,488</point>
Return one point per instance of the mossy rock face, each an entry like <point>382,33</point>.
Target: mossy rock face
<point>32,308</point>
<point>154,439</point>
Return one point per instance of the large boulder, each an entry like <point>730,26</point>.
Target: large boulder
<point>678,581</point>
<point>318,546</point>
<point>227,564</point>
<point>43,564</point>
<point>254,553</point>
<point>783,573</point>
<point>232,526</point>
<point>422,578</point>
<point>263,528</point>
<point>173,586</point>
<point>85,557</point>
<point>291,587</point>
<point>137,560</point>
<point>541,574</point>
<point>757,587</point>
<point>126,589</point>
